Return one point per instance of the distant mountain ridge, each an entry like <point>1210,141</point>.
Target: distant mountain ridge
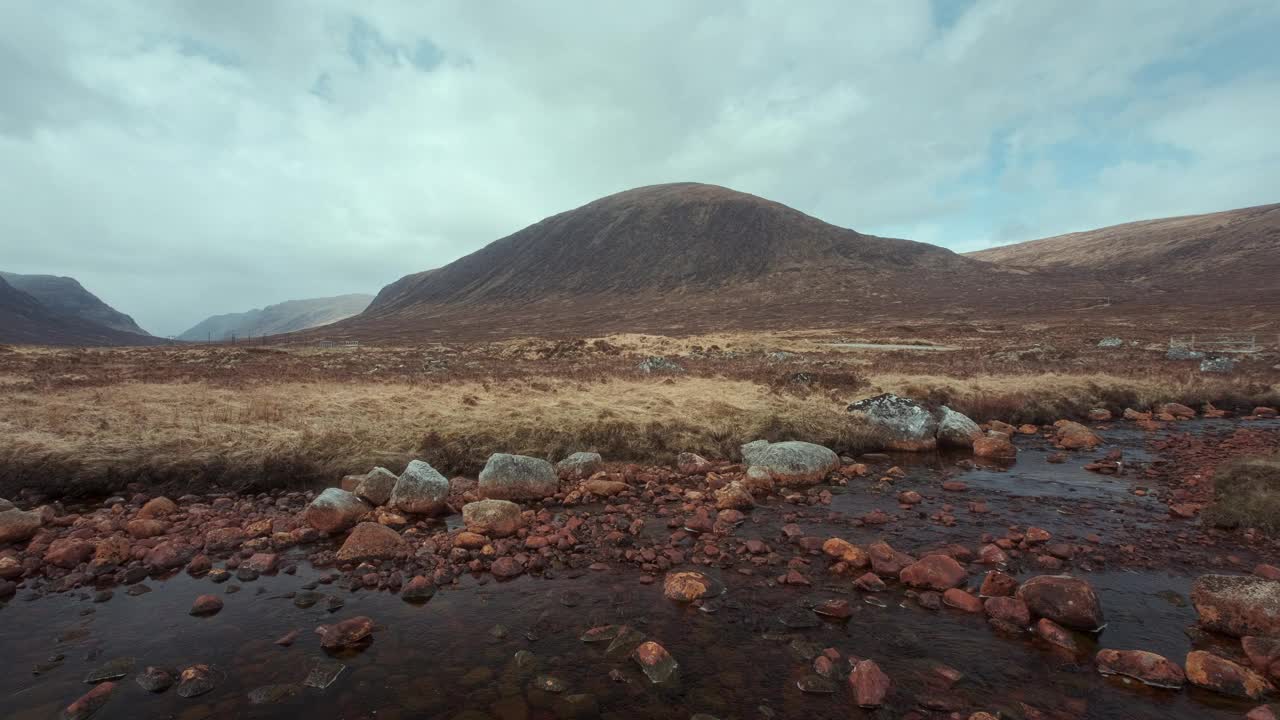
<point>65,295</point>
<point>1235,252</point>
<point>26,320</point>
<point>285,317</point>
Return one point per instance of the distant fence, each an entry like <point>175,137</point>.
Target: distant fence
<point>1221,343</point>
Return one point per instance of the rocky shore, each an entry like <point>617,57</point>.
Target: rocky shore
<point>789,517</point>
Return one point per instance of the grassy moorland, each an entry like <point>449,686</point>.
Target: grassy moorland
<point>89,421</point>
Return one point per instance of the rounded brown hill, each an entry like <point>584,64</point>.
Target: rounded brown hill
<point>662,237</point>
<point>671,258</point>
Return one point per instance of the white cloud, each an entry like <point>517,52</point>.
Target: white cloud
<point>195,158</point>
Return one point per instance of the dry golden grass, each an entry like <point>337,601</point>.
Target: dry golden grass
<point>245,417</point>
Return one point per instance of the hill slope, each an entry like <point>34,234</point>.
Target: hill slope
<point>26,320</point>
<point>1236,252</point>
<point>284,317</point>
<point>673,258</point>
<point>66,296</point>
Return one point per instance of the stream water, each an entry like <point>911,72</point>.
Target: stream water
<point>484,649</point>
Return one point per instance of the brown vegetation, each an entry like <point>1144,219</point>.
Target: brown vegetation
<point>90,421</point>
<point>1247,494</point>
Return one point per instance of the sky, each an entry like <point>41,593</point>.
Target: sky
<point>189,158</point>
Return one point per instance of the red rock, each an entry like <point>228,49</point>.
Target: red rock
<point>372,541</point>
<point>223,538</point>
<point>795,577</point>
<point>469,540</point>
<point>837,608</point>
<point>887,561</point>
<point>692,464</point>
<point>690,585</point>
<point>1238,605</point>
<point>1178,410</point>
<point>961,600</point>
<point>1263,712</point>
<point>504,568</point>
<point>143,528</point>
<point>1264,412</point>
<point>843,551</point>
<point>90,702</point>
<point>998,584</point>
<point>345,634</point>
<point>1037,535</point>
<point>206,605</point>
<point>1263,654</point>
<point>167,556</point>
<point>869,582</point>
<point>868,683</point>
<point>655,661</point>
<point>604,487</point>
<point>1267,572</point>
<point>991,554</point>
<point>1099,414</point>
<point>1223,676</point>
<point>996,447</point>
<point>1070,435</point>
<point>158,507</point>
<point>909,497</point>
<point>934,572</point>
<point>68,552</point>
<point>1146,667</point>
<point>265,563</point>
<point>1055,634</point>
<point>1008,609</point>
<point>1065,600</point>
<point>734,496</point>
<point>955,485</point>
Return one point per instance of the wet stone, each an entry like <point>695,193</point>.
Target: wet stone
<point>798,619</point>
<point>656,662</point>
<point>155,680</point>
<point>197,680</point>
<point>627,640</point>
<point>306,599</point>
<point>323,673</point>
<point>111,670</point>
<point>816,684</point>
<point>604,633</point>
<point>89,703</point>
<point>269,694</point>
<point>550,683</point>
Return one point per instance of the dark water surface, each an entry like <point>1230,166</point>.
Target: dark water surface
<point>456,655</point>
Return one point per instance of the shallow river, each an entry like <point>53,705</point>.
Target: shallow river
<point>456,656</point>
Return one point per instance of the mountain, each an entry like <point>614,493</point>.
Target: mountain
<point>26,320</point>
<point>67,296</point>
<point>1225,254</point>
<point>284,317</point>
<point>679,257</point>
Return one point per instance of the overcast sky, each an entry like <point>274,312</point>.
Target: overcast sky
<point>189,158</point>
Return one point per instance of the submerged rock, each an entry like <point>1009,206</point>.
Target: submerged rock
<point>197,680</point>
<point>206,605</point>
<point>155,680</point>
<point>420,490</point>
<point>89,703</point>
<point>518,477</point>
<point>868,683</point>
<point>933,572</point>
<point>348,633</point>
<point>656,662</point>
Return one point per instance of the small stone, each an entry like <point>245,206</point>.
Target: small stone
<point>1223,676</point>
<point>155,680</point>
<point>1146,667</point>
<point>89,703</point>
<point>197,680</point>
<point>868,683</point>
<point>656,662</point>
<point>206,605</point>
